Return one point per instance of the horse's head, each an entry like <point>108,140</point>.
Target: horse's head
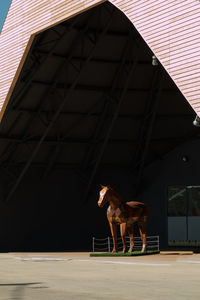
<point>103,196</point>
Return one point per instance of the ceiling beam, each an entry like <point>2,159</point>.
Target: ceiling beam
<point>66,164</point>
<point>134,116</point>
<point>54,141</point>
<point>85,87</point>
<point>93,30</point>
<point>67,95</point>
<point>148,125</point>
<point>95,60</point>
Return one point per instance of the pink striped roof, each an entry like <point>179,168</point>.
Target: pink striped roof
<point>171,28</point>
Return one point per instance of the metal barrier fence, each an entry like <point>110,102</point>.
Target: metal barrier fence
<point>106,244</point>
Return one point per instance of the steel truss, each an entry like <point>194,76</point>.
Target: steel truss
<point>39,61</point>
<point>64,139</point>
<point>28,81</point>
<point>123,71</point>
<point>147,125</point>
<point>69,91</point>
<point>54,142</point>
<point>136,116</point>
<point>109,100</point>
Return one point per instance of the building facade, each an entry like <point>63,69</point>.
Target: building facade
<point>83,103</point>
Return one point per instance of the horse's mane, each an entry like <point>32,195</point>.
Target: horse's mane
<point>116,195</point>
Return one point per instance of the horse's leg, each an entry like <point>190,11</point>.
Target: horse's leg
<point>131,236</point>
<point>113,229</point>
<point>123,235</point>
<point>142,229</point>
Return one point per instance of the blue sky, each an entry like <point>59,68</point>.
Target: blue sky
<point>4,5</point>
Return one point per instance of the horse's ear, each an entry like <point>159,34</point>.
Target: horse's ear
<point>109,186</point>
<point>102,186</point>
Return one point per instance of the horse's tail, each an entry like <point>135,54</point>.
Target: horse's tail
<point>144,214</point>
<point>145,210</point>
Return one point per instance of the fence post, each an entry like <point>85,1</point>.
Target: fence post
<point>93,244</point>
<point>108,244</point>
<point>158,243</point>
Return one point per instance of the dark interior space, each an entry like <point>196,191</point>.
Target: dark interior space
<point>89,107</point>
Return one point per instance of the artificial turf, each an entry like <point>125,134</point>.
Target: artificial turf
<point>134,253</point>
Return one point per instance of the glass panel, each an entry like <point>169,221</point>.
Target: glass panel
<point>177,201</point>
<point>193,228</point>
<point>194,200</point>
<point>177,228</point>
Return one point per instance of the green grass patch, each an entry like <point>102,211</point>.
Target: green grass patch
<point>134,253</point>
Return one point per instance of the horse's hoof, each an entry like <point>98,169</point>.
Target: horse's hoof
<point>114,251</point>
<point>144,248</point>
<point>130,250</point>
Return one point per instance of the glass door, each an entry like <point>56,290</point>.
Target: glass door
<point>184,213</point>
<point>177,212</point>
<point>193,193</point>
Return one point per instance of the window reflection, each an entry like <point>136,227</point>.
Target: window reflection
<point>193,200</point>
<point>184,201</point>
<point>177,203</point>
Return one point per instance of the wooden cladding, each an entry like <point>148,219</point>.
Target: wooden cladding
<point>171,28</point>
<point>26,18</point>
<point>172,31</point>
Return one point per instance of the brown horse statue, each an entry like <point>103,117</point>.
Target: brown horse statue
<point>125,214</point>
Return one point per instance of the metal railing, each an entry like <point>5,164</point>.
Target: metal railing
<point>106,244</point>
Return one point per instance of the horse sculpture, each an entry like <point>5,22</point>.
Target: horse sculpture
<point>125,214</point>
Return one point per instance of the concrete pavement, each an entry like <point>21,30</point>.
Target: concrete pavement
<point>59,276</point>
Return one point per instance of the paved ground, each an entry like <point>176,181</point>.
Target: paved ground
<point>59,276</point>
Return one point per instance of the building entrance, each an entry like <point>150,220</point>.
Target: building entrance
<point>183,214</point>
